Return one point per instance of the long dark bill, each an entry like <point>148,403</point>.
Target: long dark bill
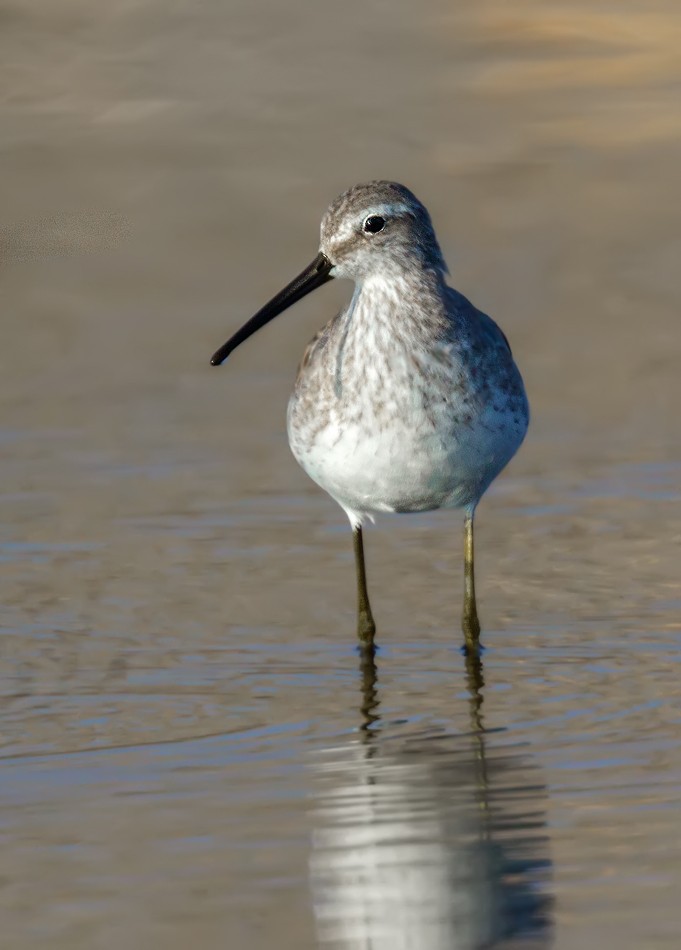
<point>316,274</point>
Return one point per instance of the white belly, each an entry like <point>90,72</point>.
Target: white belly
<point>407,464</point>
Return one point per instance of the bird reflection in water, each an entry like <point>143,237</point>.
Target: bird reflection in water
<point>429,842</point>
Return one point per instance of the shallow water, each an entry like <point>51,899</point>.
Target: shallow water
<point>190,747</point>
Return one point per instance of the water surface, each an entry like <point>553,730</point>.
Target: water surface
<point>190,750</point>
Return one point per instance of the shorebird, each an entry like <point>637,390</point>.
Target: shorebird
<point>409,399</point>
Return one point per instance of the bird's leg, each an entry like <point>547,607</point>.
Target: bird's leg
<point>366,628</point>
<point>470,623</point>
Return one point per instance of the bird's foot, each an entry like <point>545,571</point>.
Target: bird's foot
<point>470,626</point>
<point>366,630</point>
<point>472,649</point>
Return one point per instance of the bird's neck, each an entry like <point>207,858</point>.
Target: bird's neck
<point>398,302</point>
<point>411,280</point>
<point>391,320</point>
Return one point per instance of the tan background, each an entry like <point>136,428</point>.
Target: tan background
<point>168,573</point>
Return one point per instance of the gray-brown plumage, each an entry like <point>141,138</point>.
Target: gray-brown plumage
<point>409,399</point>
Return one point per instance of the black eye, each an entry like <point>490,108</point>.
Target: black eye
<point>374,223</point>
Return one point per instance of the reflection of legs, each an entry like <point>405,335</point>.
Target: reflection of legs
<point>475,681</point>
<point>369,707</point>
<point>470,623</point>
<point>366,628</point>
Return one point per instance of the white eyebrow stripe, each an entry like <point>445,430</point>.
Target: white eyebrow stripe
<point>348,226</point>
<point>387,209</point>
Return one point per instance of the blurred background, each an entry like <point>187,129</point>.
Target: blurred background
<point>189,747</point>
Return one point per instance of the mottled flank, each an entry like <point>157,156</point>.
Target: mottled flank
<point>409,399</point>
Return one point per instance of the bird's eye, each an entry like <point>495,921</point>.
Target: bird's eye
<point>374,223</point>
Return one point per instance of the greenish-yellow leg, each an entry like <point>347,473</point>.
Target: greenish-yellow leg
<point>366,628</point>
<point>470,623</point>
